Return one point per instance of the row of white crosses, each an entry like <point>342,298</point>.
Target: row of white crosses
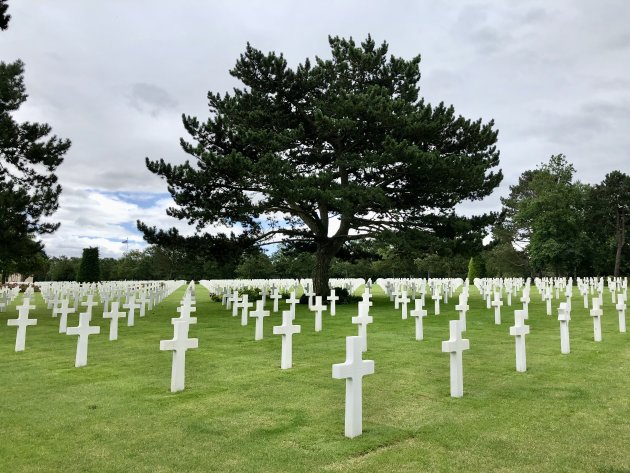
<point>355,368</point>
<point>61,308</point>
<point>7,296</point>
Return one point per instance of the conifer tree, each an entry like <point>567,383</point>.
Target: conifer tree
<point>89,268</point>
<point>328,152</point>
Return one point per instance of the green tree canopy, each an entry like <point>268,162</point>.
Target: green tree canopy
<point>327,152</point>
<point>545,212</point>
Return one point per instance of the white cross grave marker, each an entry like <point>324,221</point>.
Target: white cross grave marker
<point>462,307</point>
<point>318,308</point>
<point>525,300</point>
<point>362,320</point>
<point>455,345</point>
<point>22,322</point>
<point>260,313</point>
<point>114,314</point>
<point>309,293</point>
<point>418,312</point>
<point>89,303</point>
<point>245,306</point>
<point>332,298</point>
<point>179,344</point>
<point>596,313</point>
<point>518,331</point>
<point>367,296</point>
<point>621,310</point>
<point>83,330</point>
<point>276,296</point>
<point>184,312</point>
<point>235,303</point>
<point>287,330</point>
<point>404,300</point>
<point>548,297</point>
<point>63,312</point>
<point>497,303</point>
<point>142,303</point>
<point>564,316</point>
<point>131,307</point>
<point>353,371</point>
<point>436,299</point>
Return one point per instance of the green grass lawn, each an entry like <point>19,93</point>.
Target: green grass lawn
<point>241,413</point>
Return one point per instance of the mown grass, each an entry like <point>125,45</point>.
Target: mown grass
<point>241,413</point>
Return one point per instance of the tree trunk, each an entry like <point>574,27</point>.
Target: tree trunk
<point>621,240</point>
<point>323,259</point>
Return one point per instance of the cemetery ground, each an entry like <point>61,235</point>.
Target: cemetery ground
<point>241,413</point>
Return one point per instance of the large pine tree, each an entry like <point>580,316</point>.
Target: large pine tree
<point>328,152</point>
<point>28,159</point>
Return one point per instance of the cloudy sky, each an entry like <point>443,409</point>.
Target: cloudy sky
<point>115,76</point>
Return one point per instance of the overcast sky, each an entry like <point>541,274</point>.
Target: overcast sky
<point>115,76</point>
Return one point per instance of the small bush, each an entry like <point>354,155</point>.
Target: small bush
<point>344,297</point>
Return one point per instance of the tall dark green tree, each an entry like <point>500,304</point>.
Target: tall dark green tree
<point>89,268</point>
<point>330,151</point>
<point>28,159</point>
<point>612,197</point>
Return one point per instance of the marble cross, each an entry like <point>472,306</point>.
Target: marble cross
<point>131,307</point>
<point>548,295</point>
<point>245,306</point>
<point>455,345</point>
<point>419,313</point>
<point>353,371</point>
<point>332,298</point>
<point>260,313</point>
<point>22,322</point>
<point>287,330</point>
<point>89,303</point>
<point>114,314</point>
<point>367,297</point>
<point>396,294</point>
<point>276,296</point>
<point>179,344</point>
<point>292,301</point>
<point>318,308</point>
<point>436,298</point>
<point>83,330</point>
<point>596,313</point>
<point>462,307</point>
<point>584,291</point>
<point>105,298</point>
<point>404,300</point>
<point>184,312</point>
<point>142,303</point>
<point>621,310</point>
<point>518,331</point>
<point>525,300</point>
<point>235,303</point>
<point>63,312</point>
<point>310,294</point>
<point>564,316</point>
<point>362,320</point>
<point>497,303</point>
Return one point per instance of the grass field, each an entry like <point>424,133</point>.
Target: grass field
<point>241,413</point>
